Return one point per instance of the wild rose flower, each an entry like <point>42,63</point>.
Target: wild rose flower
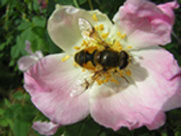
<point>134,96</point>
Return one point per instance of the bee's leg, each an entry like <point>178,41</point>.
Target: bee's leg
<point>125,79</point>
<point>87,84</point>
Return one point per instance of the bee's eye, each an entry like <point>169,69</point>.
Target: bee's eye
<point>123,55</point>
<point>123,63</point>
<point>79,58</point>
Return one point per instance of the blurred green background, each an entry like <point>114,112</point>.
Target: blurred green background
<point>23,20</point>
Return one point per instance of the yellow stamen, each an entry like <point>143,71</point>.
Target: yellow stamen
<point>75,64</point>
<point>100,81</point>
<point>105,35</point>
<point>114,80</point>
<point>120,72</point>
<point>122,36</point>
<point>128,72</point>
<point>106,80</point>
<point>101,27</point>
<point>117,46</point>
<point>129,47</point>
<point>84,43</point>
<point>96,28</point>
<point>91,49</point>
<point>65,58</point>
<point>107,75</point>
<point>119,34</point>
<point>89,65</point>
<point>77,47</point>
<point>83,70</point>
<point>94,17</point>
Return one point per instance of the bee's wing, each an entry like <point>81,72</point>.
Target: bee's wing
<point>85,27</point>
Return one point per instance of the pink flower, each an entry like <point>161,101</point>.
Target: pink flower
<point>25,62</point>
<point>43,3</point>
<point>135,96</point>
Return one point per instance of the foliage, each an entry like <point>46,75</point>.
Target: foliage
<point>23,20</point>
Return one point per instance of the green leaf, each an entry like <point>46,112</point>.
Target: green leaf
<point>4,122</point>
<point>60,131</point>
<point>103,134</point>
<point>39,21</point>
<point>124,131</point>
<point>18,95</point>
<point>27,113</point>
<point>39,31</point>
<point>2,46</point>
<point>21,128</point>
<point>164,134</point>
<point>178,133</point>
<point>24,25</point>
<point>72,130</point>
<point>89,128</point>
<point>3,2</point>
<point>7,103</point>
<point>36,6</point>
<point>84,128</point>
<point>82,2</point>
<point>64,2</point>
<point>1,111</point>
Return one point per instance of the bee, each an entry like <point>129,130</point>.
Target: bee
<point>91,57</point>
<point>102,60</point>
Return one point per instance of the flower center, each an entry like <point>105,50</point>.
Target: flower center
<point>105,57</point>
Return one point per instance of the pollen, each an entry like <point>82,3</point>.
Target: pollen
<point>94,17</point>
<point>105,35</point>
<point>96,28</point>
<point>85,43</point>
<point>114,81</point>
<point>100,81</point>
<point>77,47</point>
<point>91,49</point>
<point>119,34</point>
<point>101,27</point>
<point>83,70</point>
<point>75,64</point>
<point>128,72</point>
<point>129,47</point>
<point>89,65</point>
<point>65,58</point>
<point>117,46</point>
<point>120,72</point>
<point>122,36</point>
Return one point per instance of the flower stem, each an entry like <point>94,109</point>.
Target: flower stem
<point>90,4</point>
<point>75,3</point>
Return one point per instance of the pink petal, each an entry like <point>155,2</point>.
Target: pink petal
<point>45,128</point>
<point>63,26</point>
<point>145,23</point>
<point>156,88</point>
<point>168,8</point>
<point>165,72</point>
<point>25,62</point>
<point>51,84</point>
